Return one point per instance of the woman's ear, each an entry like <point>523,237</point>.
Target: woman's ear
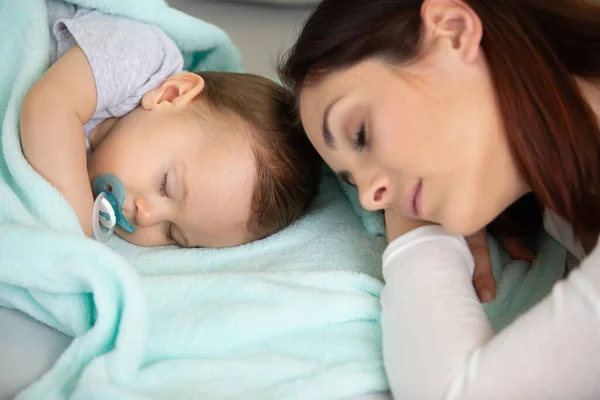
<point>177,90</point>
<point>455,21</point>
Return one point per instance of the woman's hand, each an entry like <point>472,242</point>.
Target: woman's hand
<point>483,276</point>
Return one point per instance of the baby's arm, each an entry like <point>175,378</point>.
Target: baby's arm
<point>52,117</point>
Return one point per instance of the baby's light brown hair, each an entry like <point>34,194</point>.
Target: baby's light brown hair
<point>288,166</point>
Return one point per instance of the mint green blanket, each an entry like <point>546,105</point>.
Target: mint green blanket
<point>292,316</point>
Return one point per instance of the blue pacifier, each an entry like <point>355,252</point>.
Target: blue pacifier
<point>108,207</point>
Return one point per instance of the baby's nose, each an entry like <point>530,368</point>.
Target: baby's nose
<point>145,214</point>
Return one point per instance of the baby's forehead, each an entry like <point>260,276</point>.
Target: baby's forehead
<point>222,181</point>
<point>230,125</point>
<point>257,139</point>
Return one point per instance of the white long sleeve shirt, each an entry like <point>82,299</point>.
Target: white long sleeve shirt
<point>438,343</point>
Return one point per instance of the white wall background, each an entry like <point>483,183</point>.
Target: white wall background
<point>261,32</point>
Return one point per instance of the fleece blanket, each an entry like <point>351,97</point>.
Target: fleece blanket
<point>293,316</point>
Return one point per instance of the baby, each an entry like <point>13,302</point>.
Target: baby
<point>207,160</point>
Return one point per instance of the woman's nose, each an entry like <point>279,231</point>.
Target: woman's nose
<point>375,195</point>
<point>145,214</point>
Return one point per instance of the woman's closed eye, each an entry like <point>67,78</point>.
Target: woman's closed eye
<point>360,139</point>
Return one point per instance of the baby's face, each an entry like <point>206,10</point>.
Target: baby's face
<point>186,182</point>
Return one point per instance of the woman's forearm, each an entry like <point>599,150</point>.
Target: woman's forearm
<point>438,343</point>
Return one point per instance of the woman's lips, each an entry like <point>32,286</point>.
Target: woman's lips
<point>411,204</point>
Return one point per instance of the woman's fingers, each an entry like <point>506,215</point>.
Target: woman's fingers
<point>517,249</point>
<point>483,276</point>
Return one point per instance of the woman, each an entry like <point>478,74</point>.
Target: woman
<point>449,111</point>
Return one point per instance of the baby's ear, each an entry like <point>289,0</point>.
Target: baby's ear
<point>178,90</point>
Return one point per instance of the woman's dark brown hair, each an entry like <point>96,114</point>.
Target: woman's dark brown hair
<point>534,49</point>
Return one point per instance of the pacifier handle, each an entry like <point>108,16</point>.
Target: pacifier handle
<point>103,218</point>
<point>115,195</point>
<point>108,207</point>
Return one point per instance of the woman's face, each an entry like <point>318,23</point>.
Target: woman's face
<point>425,139</point>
